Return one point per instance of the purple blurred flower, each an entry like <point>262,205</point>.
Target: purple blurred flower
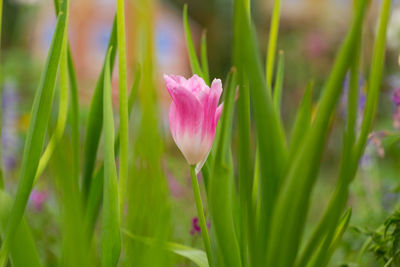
<point>9,136</point>
<point>396,112</point>
<point>362,97</point>
<point>196,227</point>
<point>396,97</point>
<point>38,198</point>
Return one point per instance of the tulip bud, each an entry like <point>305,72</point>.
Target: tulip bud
<point>193,115</point>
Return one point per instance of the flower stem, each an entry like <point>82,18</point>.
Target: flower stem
<point>200,214</point>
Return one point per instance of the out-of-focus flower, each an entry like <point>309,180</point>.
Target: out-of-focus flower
<point>193,115</point>
<point>396,112</point>
<point>9,136</point>
<point>37,199</point>
<point>196,227</point>
<point>315,45</point>
<point>362,97</point>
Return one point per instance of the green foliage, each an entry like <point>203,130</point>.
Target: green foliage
<point>37,127</point>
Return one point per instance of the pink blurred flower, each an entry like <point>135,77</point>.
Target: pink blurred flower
<point>196,227</point>
<point>193,115</point>
<point>38,198</point>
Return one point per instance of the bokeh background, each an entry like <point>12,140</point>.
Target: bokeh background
<point>310,34</point>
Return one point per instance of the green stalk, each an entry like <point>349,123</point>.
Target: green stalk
<point>110,230</point>
<point>123,105</point>
<point>200,212</point>
<point>62,115</point>
<point>245,173</point>
<point>73,84</point>
<point>273,36</point>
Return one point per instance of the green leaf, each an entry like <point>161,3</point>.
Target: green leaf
<point>302,122</point>
<point>123,105</point>
<point>194,62</point>
<point>245,154</point>
<point>23,250</point>
<point>96,190</point>
<point>37,128</point>
<point>197,256</point>
<point>110,230</point>
<point>222,186</point>
<point>74,114</point>
<point>62,115</point>
<point>324,253</point>
<point>204,60</point>
<point>279,82</point>
<point>293,202</point>
<point>273,36</point>
<point>95,120</point>
<point>375,78</point>
<point>269,132</point>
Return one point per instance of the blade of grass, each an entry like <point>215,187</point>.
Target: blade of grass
<point>273,36</point>
<point>23,249</point>
<point>62,115</point>
<point>204,60</point>
<point>194,62</point>
<point>95,120</point>
<point>123,105</point>
<point>375,79</point>
<point>222,185</point>
<point>245,173</point>
<point>96,190</point>
<point>353,153</point>
<point>37,128</point>
<point>302,122</point>
<point>74,111</point>
<point>279,82</point>
<point>293,202</point>
<point>323,255</point>
<point>74,249</point>
<point>270,134</point>
<point>110,230</point>
<point>74,115</point>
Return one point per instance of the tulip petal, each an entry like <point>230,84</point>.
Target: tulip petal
<point>184,115</point>
<point>197,86</point>
<point>210,103</point>
<point>218,113</point>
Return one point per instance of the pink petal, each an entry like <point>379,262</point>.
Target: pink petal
<point>218,113</point>
<point>197,86</point>
<point>184,115</point>
<point>174,81</point>
<point>210,103</point>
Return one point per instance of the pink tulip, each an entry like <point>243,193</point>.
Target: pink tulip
<point>193,115</point>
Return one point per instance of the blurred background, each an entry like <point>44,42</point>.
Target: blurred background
<point>310,34</point>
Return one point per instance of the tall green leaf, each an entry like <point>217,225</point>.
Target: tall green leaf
<point>110,229</point>
<point>222,186</point>
<point>96,190</point>
<point>273,36</point>
<point>123,105</point>
<point>293,202</point>
<point>94,122</point>
<point>23,250</point>
<point>37,127</point>
<point>194,62</point>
